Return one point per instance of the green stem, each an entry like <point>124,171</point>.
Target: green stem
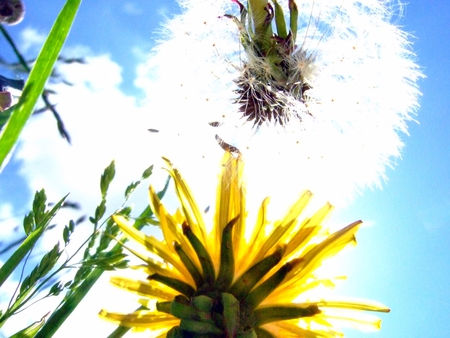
<point>11,42</point>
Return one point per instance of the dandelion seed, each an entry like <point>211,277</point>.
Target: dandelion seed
<point>219,281</point>
<point>334,93</point>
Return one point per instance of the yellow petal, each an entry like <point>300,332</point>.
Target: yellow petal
<point>144,288</point>
<point>171,229</point>
<point>364,305</point>
<point>161,268</point>
<point>142,319</point>
<point>153,266</point>
<point>153,246</point>
<point>280,229</point>
<point>306,233</point>
<point>230,202</point>
<point>286,295</point>
<point>292,329</point>
<point>258,236</point>
<point>354,319</point>
<point>326,249</point>
<point>192,212</point>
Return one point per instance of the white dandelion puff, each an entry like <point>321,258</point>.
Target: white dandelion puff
<point>331,121</point>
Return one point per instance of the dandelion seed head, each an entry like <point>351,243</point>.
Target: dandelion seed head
<point>333,125</point>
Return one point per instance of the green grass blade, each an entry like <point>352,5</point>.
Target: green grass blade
<point>65,310</point>
<point>38,77</point>
<point>28,244</point>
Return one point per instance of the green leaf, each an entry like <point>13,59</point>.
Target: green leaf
<point>107,177</point>
<point>176,284</point>
<point>68,230</point>
<point>38,77</point>
<point>28,223</point>
<point>39,206</point>
<point>108,260</point>
<point>81,274</point>
<point>202,254</point>
<point>56,289</point>
<point>131,188</point>
<point>195,328</point>
<point>203,304</point>
<point>259,293</point>
<point>279,20</point>
<point>29,331</point>
<point>189,264</point>
<point>226,271</point>
<point>245,283</point>
<point>230,314</point>
<point>293,10</point>
<point>181,308</point>
<point>47,263</point>
<point>100,211</point>
<point>147,172</point>
<point>277,313</point>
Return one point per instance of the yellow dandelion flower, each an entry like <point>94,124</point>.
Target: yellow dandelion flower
<point>225,282</point>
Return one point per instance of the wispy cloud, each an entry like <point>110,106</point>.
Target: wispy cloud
<point>31,39</point>
<point>436,216</point>
<point>132,8</point>
<point>105,124</point>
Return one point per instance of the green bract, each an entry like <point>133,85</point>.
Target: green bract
<point>271,76</point>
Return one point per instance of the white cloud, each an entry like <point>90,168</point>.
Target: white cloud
<point>31,39</point>
<point>7,220</point>
<point>132,8</point>
<point>436,216</point>
<point>104,124</point>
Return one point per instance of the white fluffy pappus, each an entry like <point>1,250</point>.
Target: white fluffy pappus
<point>361,75</point>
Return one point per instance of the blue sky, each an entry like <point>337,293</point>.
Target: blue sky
<point>402,258</point>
